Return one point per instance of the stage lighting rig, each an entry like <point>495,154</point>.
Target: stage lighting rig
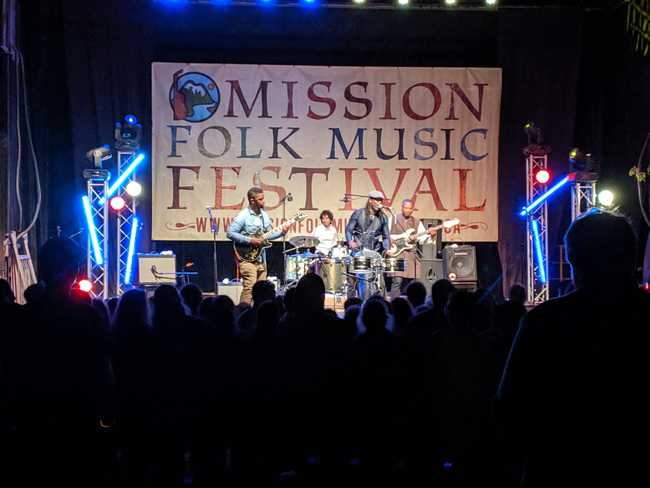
<point>535,137</point>
<point>99,154</point>
<point>584,165</point>
<point>606,199</point>
<point>128,134</point>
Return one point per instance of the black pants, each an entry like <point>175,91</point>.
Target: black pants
<point>398,285</point>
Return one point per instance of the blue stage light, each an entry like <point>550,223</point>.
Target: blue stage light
<point>122,178</point>
<point>92,230</point>
<point>129,256</point>
<point>130,119</point>
<point>541,265</point>
<point>544,196</point>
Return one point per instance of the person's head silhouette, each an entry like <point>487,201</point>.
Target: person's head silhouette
<point>374,315</point>
<point>59,261</point>
<point>601,247</point>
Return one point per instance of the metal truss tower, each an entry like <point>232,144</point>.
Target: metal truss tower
<point>583,196</point>
<point>124,220</point>
<point>97,270</point>
<point>536,229</point>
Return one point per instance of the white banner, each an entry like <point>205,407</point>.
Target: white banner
<point>319,133</point>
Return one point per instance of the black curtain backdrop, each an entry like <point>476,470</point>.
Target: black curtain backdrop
<point>570,71</point>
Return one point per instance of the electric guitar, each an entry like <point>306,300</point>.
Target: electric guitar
<point>406,241</point>
<point>249,253</point>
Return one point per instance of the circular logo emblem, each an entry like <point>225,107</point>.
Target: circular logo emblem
<point>193,96</point>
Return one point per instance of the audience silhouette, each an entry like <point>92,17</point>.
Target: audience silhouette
<point>172,389</point>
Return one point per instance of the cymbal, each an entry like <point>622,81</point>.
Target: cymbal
<point>304,241</point>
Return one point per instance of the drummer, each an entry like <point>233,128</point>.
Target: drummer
<point>326,234</point>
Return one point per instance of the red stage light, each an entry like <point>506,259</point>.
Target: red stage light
<point>117,203</point>
<point>85,285</point>
<point>543,176</point>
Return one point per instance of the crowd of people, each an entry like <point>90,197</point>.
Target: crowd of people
<point>438,386</point>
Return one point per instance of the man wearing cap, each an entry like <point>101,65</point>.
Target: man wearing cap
<point>367,233</point>
<point>368,226</point>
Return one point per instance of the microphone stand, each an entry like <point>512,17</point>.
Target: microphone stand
<point>284,242</point>
<point>213,228</point>
<point>289,197</point>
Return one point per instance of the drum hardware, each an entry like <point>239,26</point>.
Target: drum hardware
<point>393,265</point>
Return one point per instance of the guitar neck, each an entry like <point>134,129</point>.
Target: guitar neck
<point>428,231</point>
<point>266,235</point>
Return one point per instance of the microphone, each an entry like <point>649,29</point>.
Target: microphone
<point>289,197</point>
<point>212,221</point>
<point>345,199</point>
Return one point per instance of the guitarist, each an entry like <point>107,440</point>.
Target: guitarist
<point>400,224</point>
<point>248,223</point>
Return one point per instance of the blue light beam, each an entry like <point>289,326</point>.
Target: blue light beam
<point>122,178</point>
<point>541,265</point>
<point>92,230</point>
<point>129,256</point>
<point>544,196</point>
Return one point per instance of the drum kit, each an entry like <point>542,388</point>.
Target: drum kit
<point>341,271</point>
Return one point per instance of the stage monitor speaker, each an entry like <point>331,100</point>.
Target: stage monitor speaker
<point>232,290</point>
<point>466,285</point>
<point>432,250</point>
<point>459,263</point>
<point>156,269</point>
<point>430,272</point>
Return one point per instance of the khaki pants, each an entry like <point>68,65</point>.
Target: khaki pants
<point>250,273</point>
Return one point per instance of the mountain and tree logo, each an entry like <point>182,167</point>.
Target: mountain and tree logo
<point>193,96</point>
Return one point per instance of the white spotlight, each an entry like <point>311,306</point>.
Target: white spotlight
<point>403,2</point>
<point>359,1</point>
<point>491,2</point>
<point>134,188</point>
<point>450,2</point>
<point>606,198</point>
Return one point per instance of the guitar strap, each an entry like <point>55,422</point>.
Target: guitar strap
<point>400,221</point>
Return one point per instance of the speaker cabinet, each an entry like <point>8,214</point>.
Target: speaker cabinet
<point>232,290</point>
<point>459,263</point>
<point>432,250</point>
<point>430,272</point>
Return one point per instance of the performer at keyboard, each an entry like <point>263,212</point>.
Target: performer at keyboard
<point>401,223</point>
<point>367,234</point>
<point>326,234</point>
<point>249,223</point>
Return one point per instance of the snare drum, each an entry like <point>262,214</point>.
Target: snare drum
<point>393,265</point>
<point>360,265</point>
<point>333,272</point>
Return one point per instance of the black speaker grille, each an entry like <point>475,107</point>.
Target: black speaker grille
<point>461,261</point>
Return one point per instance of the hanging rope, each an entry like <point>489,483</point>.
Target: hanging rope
<point>28,126</point>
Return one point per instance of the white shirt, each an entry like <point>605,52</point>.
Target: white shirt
<point>327,236</point>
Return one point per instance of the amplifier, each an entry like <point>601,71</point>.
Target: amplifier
<point>156,269</point>
<point>232,290</point>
